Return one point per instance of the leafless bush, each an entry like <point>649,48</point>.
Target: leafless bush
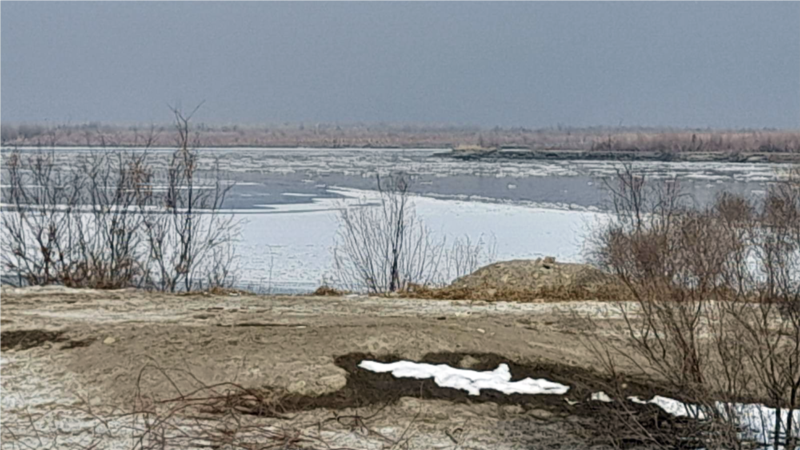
<point>384,247</point>
<point>715,292</point>
<point>191,242</point>
<point>466,255</point>
<point>116,219</point>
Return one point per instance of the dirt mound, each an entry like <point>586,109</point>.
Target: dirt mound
<point>327,291</point>
<point>531,280</point>
<point>525,274</point>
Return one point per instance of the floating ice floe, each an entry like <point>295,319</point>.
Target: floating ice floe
<point>466,380</point>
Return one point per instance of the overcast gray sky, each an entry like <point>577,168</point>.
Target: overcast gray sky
<point>507,64</point>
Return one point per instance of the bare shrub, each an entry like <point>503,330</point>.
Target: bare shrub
<point>714,292</point>
<point>116,219</point>
<point>384,247</point>
<point>190,244</point>
<point>466,255</point>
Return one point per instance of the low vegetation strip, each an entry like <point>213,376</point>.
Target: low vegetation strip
<point>595,140</point>
<point>646,154</point>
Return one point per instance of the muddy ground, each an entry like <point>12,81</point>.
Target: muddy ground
<point>108,352</point>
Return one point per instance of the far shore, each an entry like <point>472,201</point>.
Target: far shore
<point>490,154</point>
<point>520,154</point>
<point>465,143</point>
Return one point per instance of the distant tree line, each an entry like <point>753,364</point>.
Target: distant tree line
<point>410,136</point>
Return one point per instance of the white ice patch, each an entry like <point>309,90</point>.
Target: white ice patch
<point>637,400</point>
<point>289,245</point>
<point>677,408</point>
<point>601,397</point>
<point>466,380</point>
<point>758,420</point>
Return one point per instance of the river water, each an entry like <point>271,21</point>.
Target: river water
<point>528,208</point>
<point>287,201</point>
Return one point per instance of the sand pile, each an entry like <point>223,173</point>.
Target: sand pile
<point>525,274</point>
<point>531,280</point>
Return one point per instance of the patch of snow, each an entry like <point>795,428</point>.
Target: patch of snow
<point>466,380</point>
<point>637,400</point>
<point>601,397</point>
<point>761,420</point>
<point>677,408</point>
<point>758,420</point>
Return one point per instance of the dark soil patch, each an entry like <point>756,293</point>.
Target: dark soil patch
<point>25,339</point>
<point>368,388</point>
<point>365,388</point>
<point>78,343</point>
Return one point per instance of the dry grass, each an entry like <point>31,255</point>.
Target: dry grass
<point>327,291</point>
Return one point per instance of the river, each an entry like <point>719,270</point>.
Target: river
<point>287,201</point>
